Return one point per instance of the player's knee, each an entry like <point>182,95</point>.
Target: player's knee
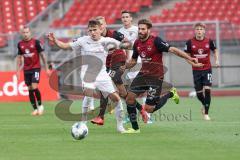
<point>148,108</point>
<point>207,87</point>
<point>115,97</point>
<point>198,88</point>
<point>123,95</point>
<point>130,100</point>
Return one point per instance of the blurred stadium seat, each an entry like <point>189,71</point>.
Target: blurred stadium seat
<point>16,13</point>
<point>195,10</point>
<point>84,10</point>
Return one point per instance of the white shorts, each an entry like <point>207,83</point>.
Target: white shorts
<point>103,83</point>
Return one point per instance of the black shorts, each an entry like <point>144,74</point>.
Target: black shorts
<point>32,76</point>
<point>202,78</point>
<point>153,86</point>
<point>116,75</point>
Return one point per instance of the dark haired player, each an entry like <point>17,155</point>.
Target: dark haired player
<point>200,47</point>
<point>150,77</point>
<point>30,51</point>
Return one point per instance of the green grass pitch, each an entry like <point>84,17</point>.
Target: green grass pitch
<point>180,135</point>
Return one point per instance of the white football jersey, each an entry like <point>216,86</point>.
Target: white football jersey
<point>98,49</point>
<point>130,33</point>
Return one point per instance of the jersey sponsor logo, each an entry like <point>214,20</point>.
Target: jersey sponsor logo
<point>27,53</point>
<point>146,59</point>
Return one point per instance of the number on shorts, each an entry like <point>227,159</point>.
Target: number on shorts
<point>209,75</point>
<point>36,75</point>
<point>152,92</point>
<point>112,73</point>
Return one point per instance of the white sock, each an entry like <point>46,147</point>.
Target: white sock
<point>85,104</point>
<point>143,100</point>
<point>88,102</point>
<point>119,113</point>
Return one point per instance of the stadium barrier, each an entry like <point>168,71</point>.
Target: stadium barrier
<point>14,90</point>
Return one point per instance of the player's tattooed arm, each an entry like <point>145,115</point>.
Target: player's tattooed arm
<point>182,54</point>
<point>125,45</point>
<point>57,42</point>
<point>131,63</point>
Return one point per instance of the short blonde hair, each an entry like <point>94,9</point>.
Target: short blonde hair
<point>100,18</point>
<point>199,24</point>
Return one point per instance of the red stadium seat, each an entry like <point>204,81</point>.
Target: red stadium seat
<point>3,41</point>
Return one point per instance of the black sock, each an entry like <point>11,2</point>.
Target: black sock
<point>201,98</point>
<point>103,106</point>
<point>32,99</point>
<point>162,101</point>
<point>138,106</point>
<point>38,96</point>
<point>132,113</point>
<point>207,100</point>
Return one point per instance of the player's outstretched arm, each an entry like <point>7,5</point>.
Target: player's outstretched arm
<point>182,54</point>
<point>57,42</point>
<point>125,45</point>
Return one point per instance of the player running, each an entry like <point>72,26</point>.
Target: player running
<point>200,47</point>
<point>115,59</point>
<point>28,58</point>
<point>130,32</point>
<point>150,77</point>
<point>97,46</point>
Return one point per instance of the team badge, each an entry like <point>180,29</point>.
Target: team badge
<point>32,46</point>
<point>193,46</point>
<point>143,54</point>
<point>27,51</point>
<point>200,51</point>
<point>207,45</point>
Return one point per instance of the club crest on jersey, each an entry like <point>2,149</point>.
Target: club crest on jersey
<point>207,45</point>
<point>193,46</point>
<point>27,51</point>
<point>143,54</point>
<point>32,46</point>
<point>200,51</point>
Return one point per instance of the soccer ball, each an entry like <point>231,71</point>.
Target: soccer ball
<point>192,94</point>
<point>79,130</point>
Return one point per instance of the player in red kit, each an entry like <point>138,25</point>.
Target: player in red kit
<point>115,59</point>
<point>29,53</point>
<point>151,74</point>
<point>200,47</point>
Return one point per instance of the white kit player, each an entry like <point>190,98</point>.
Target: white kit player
<point>97,46</point>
